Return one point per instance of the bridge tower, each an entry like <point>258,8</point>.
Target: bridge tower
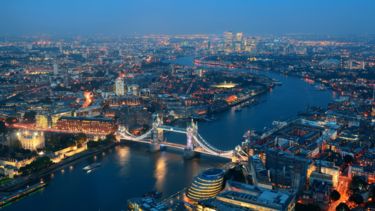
<point>191,134</point>
<point>157,135</point>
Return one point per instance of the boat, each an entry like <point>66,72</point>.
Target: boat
<point>320,87</point>
<point>91,167</point>
<point>277,83</point>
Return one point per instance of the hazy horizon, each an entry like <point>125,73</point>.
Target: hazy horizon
<point>186,17</point>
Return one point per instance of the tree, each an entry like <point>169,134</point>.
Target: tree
<point>335,195</point>
<point>348,159</point>
<point>307,207</point>
<point>110,137</point>
<point>358,184</point>
<point>10,120</point>
<point>3,128</point>
<point>37,165</point>
<point>81,138</point>
<point>356,198</point>
<point>342,207</point>
<point>30,116</point>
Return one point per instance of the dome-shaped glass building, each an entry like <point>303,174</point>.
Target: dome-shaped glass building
<point>206,185</point>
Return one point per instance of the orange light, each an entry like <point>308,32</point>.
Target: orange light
<point>231,99</point>
<point>88,99</point>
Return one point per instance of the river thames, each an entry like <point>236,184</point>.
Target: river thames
<point>130,171</point>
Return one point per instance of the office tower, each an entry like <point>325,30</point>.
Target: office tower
<point>119,87</point>
<point>287,170</point>
<point>228,41</point>
<point>239,37</point>
<point>55,69</point>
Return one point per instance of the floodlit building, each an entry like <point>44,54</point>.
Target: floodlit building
<point>41,121</point>
<point>31,140</point>
<point>86,125</point>
<point>206,185</point>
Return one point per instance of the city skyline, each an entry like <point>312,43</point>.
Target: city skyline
<point>204,105</point>
<point>186,17</point>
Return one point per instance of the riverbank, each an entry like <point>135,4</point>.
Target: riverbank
<point>23,181</point>
<point>7,199</point>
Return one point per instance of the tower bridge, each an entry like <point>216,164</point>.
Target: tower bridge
<point>195,143</point>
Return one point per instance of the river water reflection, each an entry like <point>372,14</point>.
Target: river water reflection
<point>130,171</point>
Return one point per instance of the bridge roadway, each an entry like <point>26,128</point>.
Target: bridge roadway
<point>201,145</point>
<point>181,147</point>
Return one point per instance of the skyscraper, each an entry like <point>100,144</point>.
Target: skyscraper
<point>55,69</point>
<point>228,41</point>
<point>119,87</point>
<point>238,44</point>
<point>239,37</point>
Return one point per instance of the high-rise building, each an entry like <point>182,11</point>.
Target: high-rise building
<point>55,69</point>
<point>238,45</point>
<point>228,41</point>
<point>249,44</point>
<point>287,170</point>
<point>119,87</point>
<point>239,37</point>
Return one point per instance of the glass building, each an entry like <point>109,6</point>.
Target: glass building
<point>206,185</point>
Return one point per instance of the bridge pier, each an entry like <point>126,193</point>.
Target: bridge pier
<point>154,147</point>
<point>191,131</point>
<point>157,134</point>
<point>189,154</point>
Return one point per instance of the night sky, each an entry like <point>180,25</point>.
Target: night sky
<point>187,16</point>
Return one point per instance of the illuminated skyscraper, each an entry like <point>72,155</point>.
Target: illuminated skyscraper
<point>249,44</point>
<point>228,41</point>
<point>238,44</point>
<point>119,87</point>
<point>239,36</point>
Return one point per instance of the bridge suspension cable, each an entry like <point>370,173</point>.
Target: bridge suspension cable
<point>209,148</point>
<point>127,135</point>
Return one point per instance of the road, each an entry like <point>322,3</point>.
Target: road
<point>342,188</point>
